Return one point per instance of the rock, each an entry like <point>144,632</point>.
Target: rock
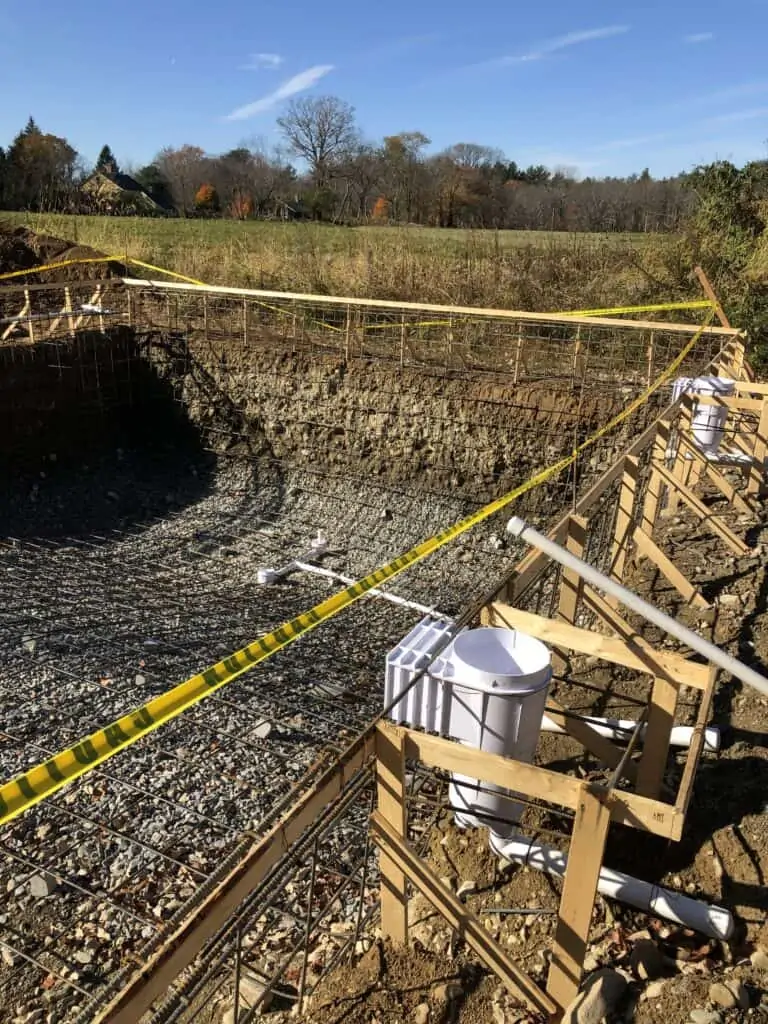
<point>43,884</point>
<point>499,1014</point>
<point>723,995</point>
<point>729,601</point>
<point>654,990</point>
<point>262,730</point>
<point>646,960</point>
<point>740,993</point>
<point>600,995</point>
<point>252,986</point>
<point>421,1013</point>
<point>705,1017</point>
<point>448,992</point>
<point>83,956</point>
<point>759,959</point>
<point>449,881</point>
<point>468,886</point>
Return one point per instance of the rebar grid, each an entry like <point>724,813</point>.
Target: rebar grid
<point>95,623</point>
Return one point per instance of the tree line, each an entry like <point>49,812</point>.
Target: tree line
<point>324,169</point>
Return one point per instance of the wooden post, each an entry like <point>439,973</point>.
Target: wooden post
<point>347,333</point>
<point>655,490</point>
<point>570,582</point>
<point>205,315</point>
<point>661,718</point>
<point>709,291</point>
<point>683,458</point>
<point>402,341</point>
<point>622,536</point>
<point>390,789</point>
<point>757,469</point>
<point>245,323</point>
<point>651,346</point>
<point>518,354</point>
<point>585,859</point>
<point>30,321</point>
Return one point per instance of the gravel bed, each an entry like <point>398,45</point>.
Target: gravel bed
<point>94,624</point>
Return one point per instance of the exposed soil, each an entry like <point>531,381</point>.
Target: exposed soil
<point>722,858</point>
<point>22,249</point>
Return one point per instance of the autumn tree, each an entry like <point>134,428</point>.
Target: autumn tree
<point>320,130</point>
<point>185,169</point>
<point>380,212</point>
<point>207,199</point>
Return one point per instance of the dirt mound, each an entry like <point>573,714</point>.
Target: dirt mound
<point>22,249</point>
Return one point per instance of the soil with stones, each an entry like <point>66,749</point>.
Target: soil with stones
<point>673,975</point>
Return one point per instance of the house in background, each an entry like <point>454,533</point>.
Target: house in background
<point>119,194</point>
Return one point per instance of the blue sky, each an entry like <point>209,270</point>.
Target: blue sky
<point>604,88</point>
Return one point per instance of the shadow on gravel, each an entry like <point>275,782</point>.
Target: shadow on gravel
<point>77,461</point>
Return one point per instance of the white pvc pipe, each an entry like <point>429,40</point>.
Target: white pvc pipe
<point>519,528</point>
<point>269,576</point>
<point>715,922</point>
<point>621,729</point>
<point>318,570</point>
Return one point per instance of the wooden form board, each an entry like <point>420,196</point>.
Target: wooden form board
<point>640,656</point>
<point>470,311</point>
<point>585,859</point>
<point>535,782</point>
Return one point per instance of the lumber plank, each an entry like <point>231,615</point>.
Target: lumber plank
<point>619,650</point>
<point>585,858</point>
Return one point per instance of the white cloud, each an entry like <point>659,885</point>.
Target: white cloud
<point>739,115</point>
<point>304,80</point>
<point>699,37</point>
<point>262,61</point>
<point>564,42</point>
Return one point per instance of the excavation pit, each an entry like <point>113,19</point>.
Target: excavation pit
<point>221,431</point>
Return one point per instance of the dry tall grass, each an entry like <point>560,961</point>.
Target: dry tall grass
<point>519,270</point>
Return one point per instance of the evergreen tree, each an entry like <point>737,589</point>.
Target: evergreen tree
<point>106,162</point>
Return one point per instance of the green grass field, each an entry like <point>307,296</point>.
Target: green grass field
<point>511,269</point>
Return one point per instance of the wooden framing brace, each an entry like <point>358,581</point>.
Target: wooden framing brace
<point>595,806</point>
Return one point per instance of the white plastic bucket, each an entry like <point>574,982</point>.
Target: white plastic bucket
<point>708,421</point>
<point>499,691</point>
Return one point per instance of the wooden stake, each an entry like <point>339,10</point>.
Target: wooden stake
<point>685,792</point>
<point>661,718</point>
<point>570,582</point>
<point>585,859</point>
<point>757,470</point>
<point>390,789</point>
<point>709,291</point>
<point>622,537</point>
<point>655,490</point>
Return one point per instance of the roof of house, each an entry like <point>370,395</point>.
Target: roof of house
<point>120,190</point>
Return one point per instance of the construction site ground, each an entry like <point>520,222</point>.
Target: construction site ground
<point>722,857</point>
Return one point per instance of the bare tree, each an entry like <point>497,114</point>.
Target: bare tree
<point>321,130</point>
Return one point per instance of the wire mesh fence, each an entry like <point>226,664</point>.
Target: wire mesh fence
<point>169,444</point>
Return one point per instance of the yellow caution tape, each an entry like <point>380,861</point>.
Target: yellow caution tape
<point>660,307</point>
<point>40,782</point>
<point>98,259</point>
